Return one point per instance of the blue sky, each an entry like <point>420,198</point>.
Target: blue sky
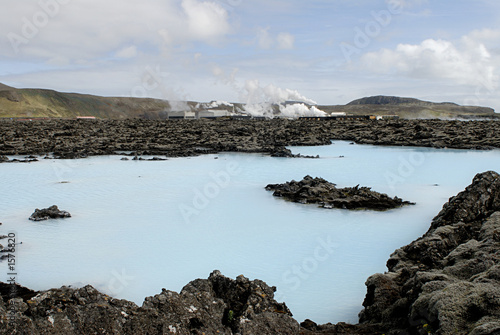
<point>330,52</point>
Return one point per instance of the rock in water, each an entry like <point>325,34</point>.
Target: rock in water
<point>217,305</point>
<point>48,213</point>
<point>281,151</point>
<point>319,191</point>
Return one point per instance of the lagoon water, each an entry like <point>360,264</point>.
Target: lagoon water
<point>140,226</point>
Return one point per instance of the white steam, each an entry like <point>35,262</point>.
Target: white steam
<point>218,103</point>
<point>298,110</point>
<point>272,101</point>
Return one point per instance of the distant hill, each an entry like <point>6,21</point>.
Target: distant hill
<point>42,103</point>
<point>410,108</point>
<point>32,103</point>
<point>388,100</point>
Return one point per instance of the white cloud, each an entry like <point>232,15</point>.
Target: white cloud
<point>266,40</point>
<point>127,52</point>
<point>83,30</point>
<point>285,41</point>
<point>225,78</point>
<point>206,20</point>
<point>485,35</point>
<point>467,61</point>
<point>490,38</point>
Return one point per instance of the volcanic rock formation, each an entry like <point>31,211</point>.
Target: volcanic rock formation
<point>48,213</point>
<point>180,138</point>
<point>319,191</point>
<point>217,305</point>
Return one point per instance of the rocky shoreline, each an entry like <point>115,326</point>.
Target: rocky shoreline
<point>319,191</point>
<point>217,305</point>
<point>71,139</point>
<point>445,282</point>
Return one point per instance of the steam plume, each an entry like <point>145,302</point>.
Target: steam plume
<point>272,101</point>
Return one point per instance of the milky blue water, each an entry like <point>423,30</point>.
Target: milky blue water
<point>139,226</point>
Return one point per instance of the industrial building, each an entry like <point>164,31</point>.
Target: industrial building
<point>204,114</point>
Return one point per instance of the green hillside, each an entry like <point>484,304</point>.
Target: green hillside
<point>48,103</point>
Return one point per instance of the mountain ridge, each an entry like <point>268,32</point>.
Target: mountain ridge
<point>46,103</point>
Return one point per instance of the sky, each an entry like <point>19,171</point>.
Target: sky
<point>324,51</point>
